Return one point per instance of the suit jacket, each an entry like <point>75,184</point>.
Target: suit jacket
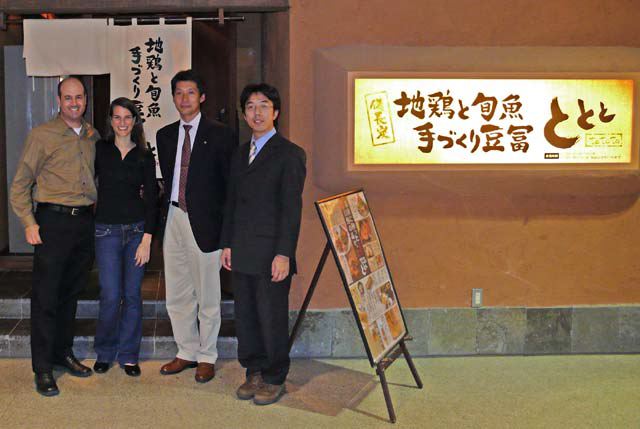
<point>264,206</point>
<point>207,178</point>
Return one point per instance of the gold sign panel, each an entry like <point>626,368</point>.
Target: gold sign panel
<point>492,121</point>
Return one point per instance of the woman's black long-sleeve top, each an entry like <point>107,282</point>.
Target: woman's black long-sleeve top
<point>119,184</point>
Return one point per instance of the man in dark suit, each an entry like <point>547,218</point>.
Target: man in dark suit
<point>194,155</point>
<point>260,234</point>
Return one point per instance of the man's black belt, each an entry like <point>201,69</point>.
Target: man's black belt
<point>173,203</point>
<point>73,211</point>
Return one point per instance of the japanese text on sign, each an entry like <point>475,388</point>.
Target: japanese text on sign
<point>492,121</point>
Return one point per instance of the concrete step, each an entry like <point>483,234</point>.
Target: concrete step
<point>15,292</point>
<point>157,340</point>
<point>88,309</point>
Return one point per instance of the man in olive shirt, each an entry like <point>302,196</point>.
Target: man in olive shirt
<point>58,158</point>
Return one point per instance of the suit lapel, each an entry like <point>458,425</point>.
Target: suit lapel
<point>197,154</point>
<point>172,149</point>
<point>200,142</point>
<point>241,165</point>
<point>268,150</point>
<point>173,141</point>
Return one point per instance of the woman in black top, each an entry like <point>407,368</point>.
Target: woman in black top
<point>125,220</point>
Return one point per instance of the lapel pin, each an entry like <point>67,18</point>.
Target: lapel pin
<point>205,142</point>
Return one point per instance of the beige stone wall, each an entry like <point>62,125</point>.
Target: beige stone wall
<point>523,251</point>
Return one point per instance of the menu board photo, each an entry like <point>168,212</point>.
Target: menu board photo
<point>355,243</point>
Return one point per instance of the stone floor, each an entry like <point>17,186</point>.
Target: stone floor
<point>595,391</point>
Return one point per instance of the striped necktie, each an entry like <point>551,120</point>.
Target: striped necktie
<point>252,151</point>
<point>184,168</point>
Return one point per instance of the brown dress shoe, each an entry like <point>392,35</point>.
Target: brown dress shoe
<point>177,365</point>
<point>268,394</point>
<point>249,388</point>
<point>205,372</point>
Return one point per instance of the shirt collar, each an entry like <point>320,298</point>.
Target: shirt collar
<point>194,122</point>
<point>61,126</point>
<point>261,141</point>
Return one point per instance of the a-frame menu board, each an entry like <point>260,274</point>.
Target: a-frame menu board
<point>353,239</point>
<point>356,246</point>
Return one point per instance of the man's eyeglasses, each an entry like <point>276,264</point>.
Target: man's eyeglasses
<point>264,107</point>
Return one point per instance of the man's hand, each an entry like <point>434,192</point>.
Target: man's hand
<point>225,258</point>
<point>279,268</point>
<point>143,252</point>
<point>32,234</point>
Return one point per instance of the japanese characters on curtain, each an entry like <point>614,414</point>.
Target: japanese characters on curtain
<point>143,60</point>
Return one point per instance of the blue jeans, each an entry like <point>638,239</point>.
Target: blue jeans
<point>119,330</point>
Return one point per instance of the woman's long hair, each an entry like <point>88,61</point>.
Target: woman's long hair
<point>137,133</point>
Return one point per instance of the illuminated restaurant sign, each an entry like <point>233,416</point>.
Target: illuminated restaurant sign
<point>492,121</point>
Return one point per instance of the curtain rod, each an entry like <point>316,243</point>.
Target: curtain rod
<point>174,19</point>
<point>142,19</point>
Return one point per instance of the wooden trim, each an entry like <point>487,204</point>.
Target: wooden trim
<point>17,7</point>
<point>16,262</point>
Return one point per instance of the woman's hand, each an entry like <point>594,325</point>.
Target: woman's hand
<point>144,250</point>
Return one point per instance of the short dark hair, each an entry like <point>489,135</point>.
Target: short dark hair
<point>187,75</point>
<point>78,78</point>
<point>137,134</point>
<point>265,89</point>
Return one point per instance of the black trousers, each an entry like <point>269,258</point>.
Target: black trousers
<point>262,325</point>
<point>61,267</point>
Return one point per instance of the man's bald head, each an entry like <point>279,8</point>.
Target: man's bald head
<point>68,79</point>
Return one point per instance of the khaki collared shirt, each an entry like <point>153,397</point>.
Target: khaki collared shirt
<point>61,165</point>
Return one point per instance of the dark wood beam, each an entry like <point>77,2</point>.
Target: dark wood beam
<point>20,7</point>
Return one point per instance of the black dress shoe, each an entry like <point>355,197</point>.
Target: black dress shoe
<point>74,367</point>
<point>101,367</point>
<point>46,384</point>
<point>132,370</point>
